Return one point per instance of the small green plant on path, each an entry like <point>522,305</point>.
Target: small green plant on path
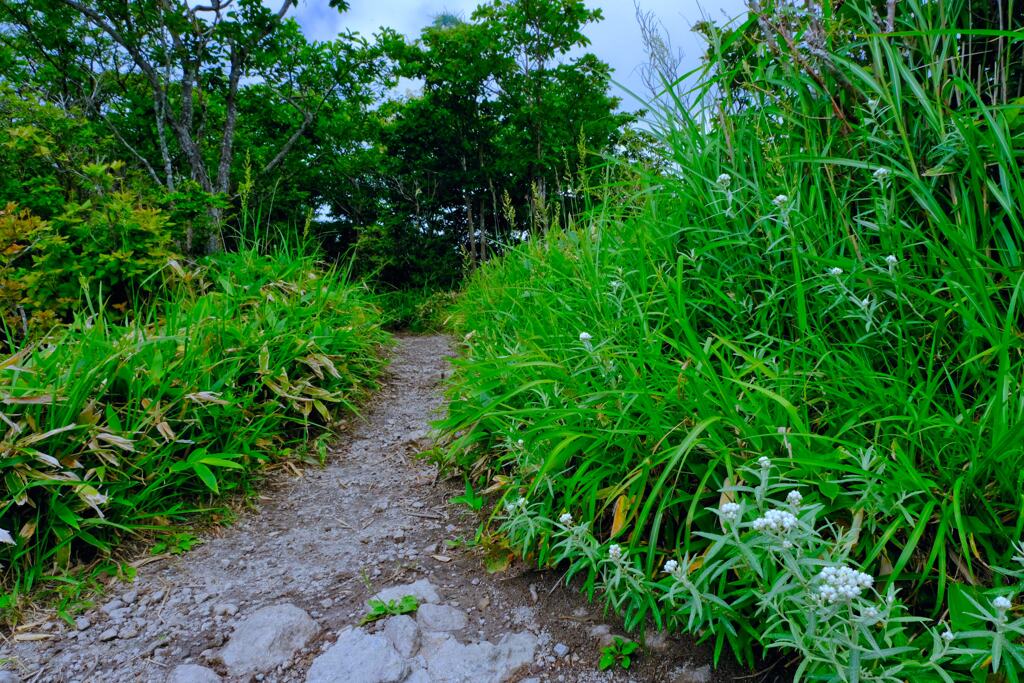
<point>176,544</point>
<point>470,498</point>
<point>390,608</point>
<point>618,653</point>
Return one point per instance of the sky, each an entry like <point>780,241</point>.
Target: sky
<point>616,39</point>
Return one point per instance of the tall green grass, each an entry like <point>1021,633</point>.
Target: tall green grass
<point>776,295</point>
<point>116,431</point>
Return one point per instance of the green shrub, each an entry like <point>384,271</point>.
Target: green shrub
<point>841,293</point>
<point>115,430</point>
<point>417,310</point>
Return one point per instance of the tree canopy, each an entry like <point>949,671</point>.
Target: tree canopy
<point>225,107</point>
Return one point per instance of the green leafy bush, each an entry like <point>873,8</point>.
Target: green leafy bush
<point>112,430</point>
<point>841,293</point>
<point>417,310</point>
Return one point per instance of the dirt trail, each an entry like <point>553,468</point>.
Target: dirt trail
<point>263,599</point>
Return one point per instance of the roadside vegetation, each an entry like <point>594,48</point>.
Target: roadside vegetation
<point>750,370</point>
<point>207,223</point>
<point>770,392</point>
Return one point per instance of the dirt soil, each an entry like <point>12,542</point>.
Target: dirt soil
<point>326,540</point>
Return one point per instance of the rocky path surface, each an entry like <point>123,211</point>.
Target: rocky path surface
<point>279,595</point>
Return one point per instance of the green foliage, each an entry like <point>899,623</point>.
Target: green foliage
<point>827,273</point>
<point>113,430</point>
<point>620,652</point>
<point>175,544</point>
<point>417,310</point>
<point>471,499</point>
<point>106,248</point>
<point>380,609</point>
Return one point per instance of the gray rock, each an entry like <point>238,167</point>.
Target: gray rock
<point>225,610</point>
<point>192,673</point>
<point>109,634</point>
<point>358,657</point>
<point>449,661</point>
<point>130,597</point>
<point>128,631</point>
<point>82,623</point>
<point>657,641</point>
<point>268,638</point>
<point>403,634</point>
<point>440,618</point>
<point>112,605</point>
<point>561,649</point>
<point>420,676</point>
<point>9,677</point>
<point>422,589</point>
<point>691,674</point>
<point>120,614</point>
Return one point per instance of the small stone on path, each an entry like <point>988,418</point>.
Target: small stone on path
<point>422,590</point>
<point>440,618</point>
<point>359,657</point>
<point>192,673</point>
<point>267,638</point>
<point>404,634</point>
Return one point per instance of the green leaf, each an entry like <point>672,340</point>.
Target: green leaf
<point>206,475</point>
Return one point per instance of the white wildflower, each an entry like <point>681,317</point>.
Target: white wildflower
<point>730,512</point>
<point>724,180</point>
<point>95,498</point>
<point>794,498</point>
<point>614,551</point>
<point>948,636</point>
<point>780,200</point>
<point>511,507</point>
<point>776,521</point>
<point>891,260</point>
<point>835,272</point>
<point>842,583</point>
<point>565,519</point>
<point>520,443</point>
<point>585,337</point>
<point>764,463</point>
<point>671,566</point>
<point>871,615</point>
<point>1002,603</point>
<point>5,537</point>
<point>881,174</point>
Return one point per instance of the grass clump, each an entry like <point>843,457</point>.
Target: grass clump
<point>424,310</point>
<point>116,430</point>
<point>826,277</point>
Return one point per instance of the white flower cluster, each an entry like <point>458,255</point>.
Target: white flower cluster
<point>565,519</point>
<point>511,507</point>
<point>585,337</point>
<point>776,521</point>
<point>671,566</point>
<point>881,174</point>
<point>729,512</point>
<point>843,583</point>
<point>1002,603</point>
<point>724,181</point>
<point>891,260</point>
<point>835,272</point>
<point>780,200</point>
<point>615,552</point>
<point>764,463</point>
<point>5,537</point>
<point>794,498</point>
